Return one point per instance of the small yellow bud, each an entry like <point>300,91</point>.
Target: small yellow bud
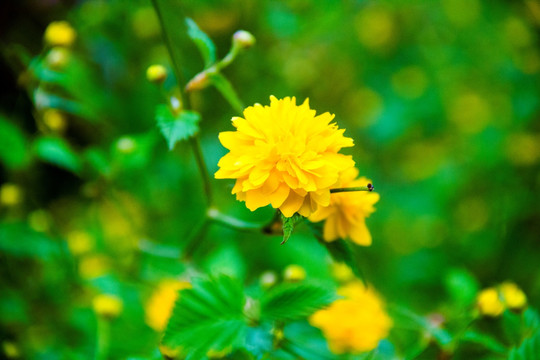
<point>60,33</point>
<point>10,194</point>
<point>108,306</point>
<point>54,120</point>
<point>488,302</point>
<point>268,279</point>
<point>156,73</point>
<point>58,57</point>
<point>294,273</point>
<point>513,296</point>
<point>93,266</point>
<point>243,39</point>
<point>126,145</point>
<point>199,82</point>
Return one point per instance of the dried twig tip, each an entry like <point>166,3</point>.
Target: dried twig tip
<point>370,187</point>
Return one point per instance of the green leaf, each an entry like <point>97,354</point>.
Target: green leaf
<point>57,151</point>
<point>289,224</point>
<point>176,128</point>
<point>13,150</point>
<point>98,161</point>
<point>529,349</point>
<point>461,286</point>
<point>204,43</point>
<point>17,239</point>
<point>208,316</point>
<point>484,340</point>
<point>226,89</point>
<point>294,301</point>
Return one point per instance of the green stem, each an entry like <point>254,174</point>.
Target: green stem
<point>195,238</point>
<point>232,222</point>
<point>103,338</point>
<point>199,158</point>
<point>369,187</point>
<point>168,44</point>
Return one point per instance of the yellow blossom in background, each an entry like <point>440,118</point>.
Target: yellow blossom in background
<point>294,273</point>
<point>60,33</point>
<point>345,216</point>
<point>489,303</point>
<point>355,323</point>
<point>284,155</point>
<point>160,305</point>
<point>80,242</point>
<point>10,194</point>
<point>512,295</point>
<point>342,272</point>
<point>156,73</point>
<point>107,305</point>
<point>94,266</point>
<point>11,351</point>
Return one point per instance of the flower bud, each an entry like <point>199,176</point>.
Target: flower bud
<point>243,39</point>
<point>54,120</point>
<point>294,273</point>
<point>156,73</point>
<point>60,33</point>
<point>513,296</point>
<point>489,303</point>
<point>199,82</point>
<point>126,145</point>
<point>108,306</point>
<point>268,279</point>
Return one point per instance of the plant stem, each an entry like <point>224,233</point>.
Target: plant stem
<point>194,239</point>
<point>197,150</point>
<point>103,338</point>
<point>369,187</point>
<point>167,40</point>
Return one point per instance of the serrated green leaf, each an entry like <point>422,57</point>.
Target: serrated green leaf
<point>204,43</point>
<point>176,128</point>
<point>289,224</point>
<point>294,301</point>
<point>57,151</point>
<point>226,89</point>
<point>13,150</point>
<point>208,316</point>
<point>529,349</point>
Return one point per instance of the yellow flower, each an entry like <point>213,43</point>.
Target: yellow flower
<point>60,33</point>
<point>489,303</point>
<point>513,296</point>
<point>294,273</point>
<point>54,120</point>
<point>93,266</point>
<point>285,156</point>
<point>345,217</point>
<point>109,306</point>
<point>355,323</point>
<point>160,305</point>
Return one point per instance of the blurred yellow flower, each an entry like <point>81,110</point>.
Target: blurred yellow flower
<point>345,217</point>
<point>160,305</point>
<point>109,306</point>
<point>294,273</point>
<point>80,242</point>
<point>10,194</point>
<point>11,350</point>
<point>355,323</point>
<point>285,156</point>
<point>513,296</point>
<point>494,300</point>
<point>342,272</point>
<point>93,266</point>
<point>375,28</point>
<point>60,33</point>
<point>58,57</point>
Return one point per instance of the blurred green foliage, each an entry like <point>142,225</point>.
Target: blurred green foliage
<point>441,98</point>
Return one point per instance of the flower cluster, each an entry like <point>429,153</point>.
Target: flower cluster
<point>286,156</point>
<point>494,300</point>
<point>355,323</point>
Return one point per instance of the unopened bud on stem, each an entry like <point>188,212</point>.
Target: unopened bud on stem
<point>243,39</point>
<point>156,73</point>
